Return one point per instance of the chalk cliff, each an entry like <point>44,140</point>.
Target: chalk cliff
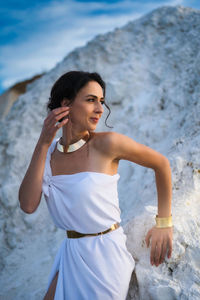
<point>152,68</point>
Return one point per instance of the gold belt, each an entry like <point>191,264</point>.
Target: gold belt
<point>75,234</point>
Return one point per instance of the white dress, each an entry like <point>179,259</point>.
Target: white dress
<point>94,267</point>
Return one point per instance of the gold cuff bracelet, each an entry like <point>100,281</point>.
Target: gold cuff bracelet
<point>163,222</point>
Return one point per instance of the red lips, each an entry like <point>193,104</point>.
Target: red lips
<point>94,119</point>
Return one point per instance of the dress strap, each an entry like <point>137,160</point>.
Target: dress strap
<point>52,147</point>
<point>47,169</point>
<point>50,150</point>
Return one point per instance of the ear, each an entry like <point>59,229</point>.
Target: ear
<point>64,102</point>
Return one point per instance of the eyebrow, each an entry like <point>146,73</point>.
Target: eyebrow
<point>90,95</point>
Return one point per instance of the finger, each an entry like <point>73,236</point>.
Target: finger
<point>153,249</point>
<point>54,121</point>
<point>59,125</point>
<point>55,112</point>
<point>61,115</point>
<point>147,238</point>
<point>157,253</point>
<point>169,248</point>
<point>60,109</point>
<point>163,253</point>
<point>51,118</point>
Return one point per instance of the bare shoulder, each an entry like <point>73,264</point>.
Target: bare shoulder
<point>119,146</point>
<point>102,142</point>
<point>106,139</point>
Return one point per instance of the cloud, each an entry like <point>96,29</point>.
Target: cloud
<point>46,33</point>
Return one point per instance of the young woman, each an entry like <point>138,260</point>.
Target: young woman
<point>78,174</point>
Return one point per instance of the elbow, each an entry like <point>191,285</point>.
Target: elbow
<point>163,163</point>
<point>26,209</point>
<point>166,161</point>
<point>26,204</point>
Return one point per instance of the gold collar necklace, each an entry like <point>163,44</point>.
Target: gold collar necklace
<point>72,147</point>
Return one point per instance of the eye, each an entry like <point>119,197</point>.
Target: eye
<point>102,101</point>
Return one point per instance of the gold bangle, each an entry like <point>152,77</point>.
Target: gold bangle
<point>163,222</point>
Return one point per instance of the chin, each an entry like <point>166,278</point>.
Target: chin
<point>92,126</point>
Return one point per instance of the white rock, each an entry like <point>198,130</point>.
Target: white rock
<point>152,68</point>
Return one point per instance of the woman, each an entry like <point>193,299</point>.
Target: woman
<point>78,175</point>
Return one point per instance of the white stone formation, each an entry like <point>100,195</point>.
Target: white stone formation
<point>152,70</point>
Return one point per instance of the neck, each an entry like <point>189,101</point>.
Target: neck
<point>72,137</point>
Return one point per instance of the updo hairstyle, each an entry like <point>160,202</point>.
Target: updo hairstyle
<point>68,86</point>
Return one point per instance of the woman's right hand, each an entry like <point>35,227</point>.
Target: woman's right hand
<point>50,125</point>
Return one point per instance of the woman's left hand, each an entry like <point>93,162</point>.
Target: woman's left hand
<point>161,244</point>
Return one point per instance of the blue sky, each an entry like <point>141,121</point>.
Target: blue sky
<point>36,35</point>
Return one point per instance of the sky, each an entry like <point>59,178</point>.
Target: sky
<point>36,35</point>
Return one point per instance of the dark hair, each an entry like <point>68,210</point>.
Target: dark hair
<point>68,86</point>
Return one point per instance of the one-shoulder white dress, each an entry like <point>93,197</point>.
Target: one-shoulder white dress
<point>92,267</point>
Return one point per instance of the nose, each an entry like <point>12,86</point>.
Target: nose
<point>99,108</point>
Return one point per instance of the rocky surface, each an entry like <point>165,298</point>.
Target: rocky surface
<point>151,67</point>
<point>11,95</point>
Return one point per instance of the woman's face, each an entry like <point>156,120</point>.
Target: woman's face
<point>87,106</point>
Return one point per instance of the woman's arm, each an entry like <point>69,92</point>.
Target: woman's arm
<point>123,147</point>
<point>30,191</point>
